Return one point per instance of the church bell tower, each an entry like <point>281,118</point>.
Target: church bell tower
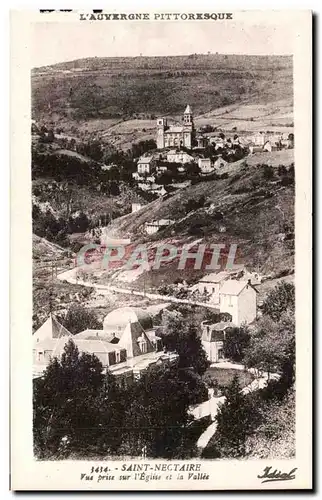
<point>161,125</point>
<point>188,128</point>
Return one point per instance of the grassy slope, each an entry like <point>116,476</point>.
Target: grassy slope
<point>145,86</point>
<point>251,218</point>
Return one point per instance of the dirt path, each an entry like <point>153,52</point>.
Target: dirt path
<point>211,406</point>
<point>69,276</point>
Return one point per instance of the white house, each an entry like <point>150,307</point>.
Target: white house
<point>211,283</point>
<point>238,298</point>
<point>154,226</point>
<point>146,165</point>
<point>213,336</point>
<point>205,165</point>
<point>136,207</point>
<point>259,139</point>
<point>174,156</point>
<point>127,345</point>
<point>220,162</point>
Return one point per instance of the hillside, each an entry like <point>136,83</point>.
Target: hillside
<point>251,208</point>
<point>105,91</point>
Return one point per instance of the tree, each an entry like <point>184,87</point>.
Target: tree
<point>156,416</point>
<point>63,400</point>
<point>236,419</point>
<point>268,172</point>
<point>279,300</point>
<point>272,347</point>
<point>236,341</point>
<point>181,337</point>
<point>79,318</point>
<point>76,404</point>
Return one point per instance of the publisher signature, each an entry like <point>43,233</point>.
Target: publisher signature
<point>276,475</point>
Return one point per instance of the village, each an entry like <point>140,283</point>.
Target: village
<point>127,347</point>
<point>132,342</point>
<point>182,151</point>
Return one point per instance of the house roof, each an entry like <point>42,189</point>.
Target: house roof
<point>91,334</point>
<point>92,346</point>
<point>51,329</point>
<point>214,277</point>
<point>124,315</point>
<point>188,110</point>
<point>130,340</point>
<point>212,334</point>
<point>145,159</point>
<point>233,287</point>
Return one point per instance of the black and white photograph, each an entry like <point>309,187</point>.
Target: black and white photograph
<point>164,191</point>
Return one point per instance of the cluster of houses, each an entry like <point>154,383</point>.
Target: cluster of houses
<point>127,345</point>
<point>182,146</point>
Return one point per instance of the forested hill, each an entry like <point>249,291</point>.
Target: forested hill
<point>122,87</point>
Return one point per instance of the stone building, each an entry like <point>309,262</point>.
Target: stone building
<point>176,135</point>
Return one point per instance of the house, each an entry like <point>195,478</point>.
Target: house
<point>270,146</point>
<point>116,321</point>
<point>152,188</point>
<point>211,284</point>
<point>176,135</point>
<point>238,298</point>
<point>136,207</point>
<point>127,346</point>
<point>255,149</point>
<point>160,168</point>
<point>146,165</point>
<point>50,340</point>
<point>205,165</point>
<point>240,272</point>
<point>259,139</point>
<point>213,336</point>
<point>202,141</point>
<point>51,329</point>
<point>175,156</point>
<point>220,162</point>
<point>154,226</point>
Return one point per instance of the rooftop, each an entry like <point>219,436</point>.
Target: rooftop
<point>233,287</point>
<point>214,277</point>
<point>174,129</point>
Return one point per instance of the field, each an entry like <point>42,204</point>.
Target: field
<point>121,97</point>
<point>224,376</point>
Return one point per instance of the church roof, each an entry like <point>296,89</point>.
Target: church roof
<point>188,110</point>
<point>174,130</point>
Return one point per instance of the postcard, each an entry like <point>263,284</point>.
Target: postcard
<point>161,327</point>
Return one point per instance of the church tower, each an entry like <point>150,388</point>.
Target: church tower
<point>188,128</point>
<point>161,124</point>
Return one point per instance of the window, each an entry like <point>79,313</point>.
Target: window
<point>143,346</point>
<point>118,356</point>
<point>204,289</point>
<point>213,290</point>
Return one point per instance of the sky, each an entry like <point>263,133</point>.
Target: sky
<point>53,42</point>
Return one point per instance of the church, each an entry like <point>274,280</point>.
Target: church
<point>176,135</point>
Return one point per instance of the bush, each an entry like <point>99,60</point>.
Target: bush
<point>268,172</point>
